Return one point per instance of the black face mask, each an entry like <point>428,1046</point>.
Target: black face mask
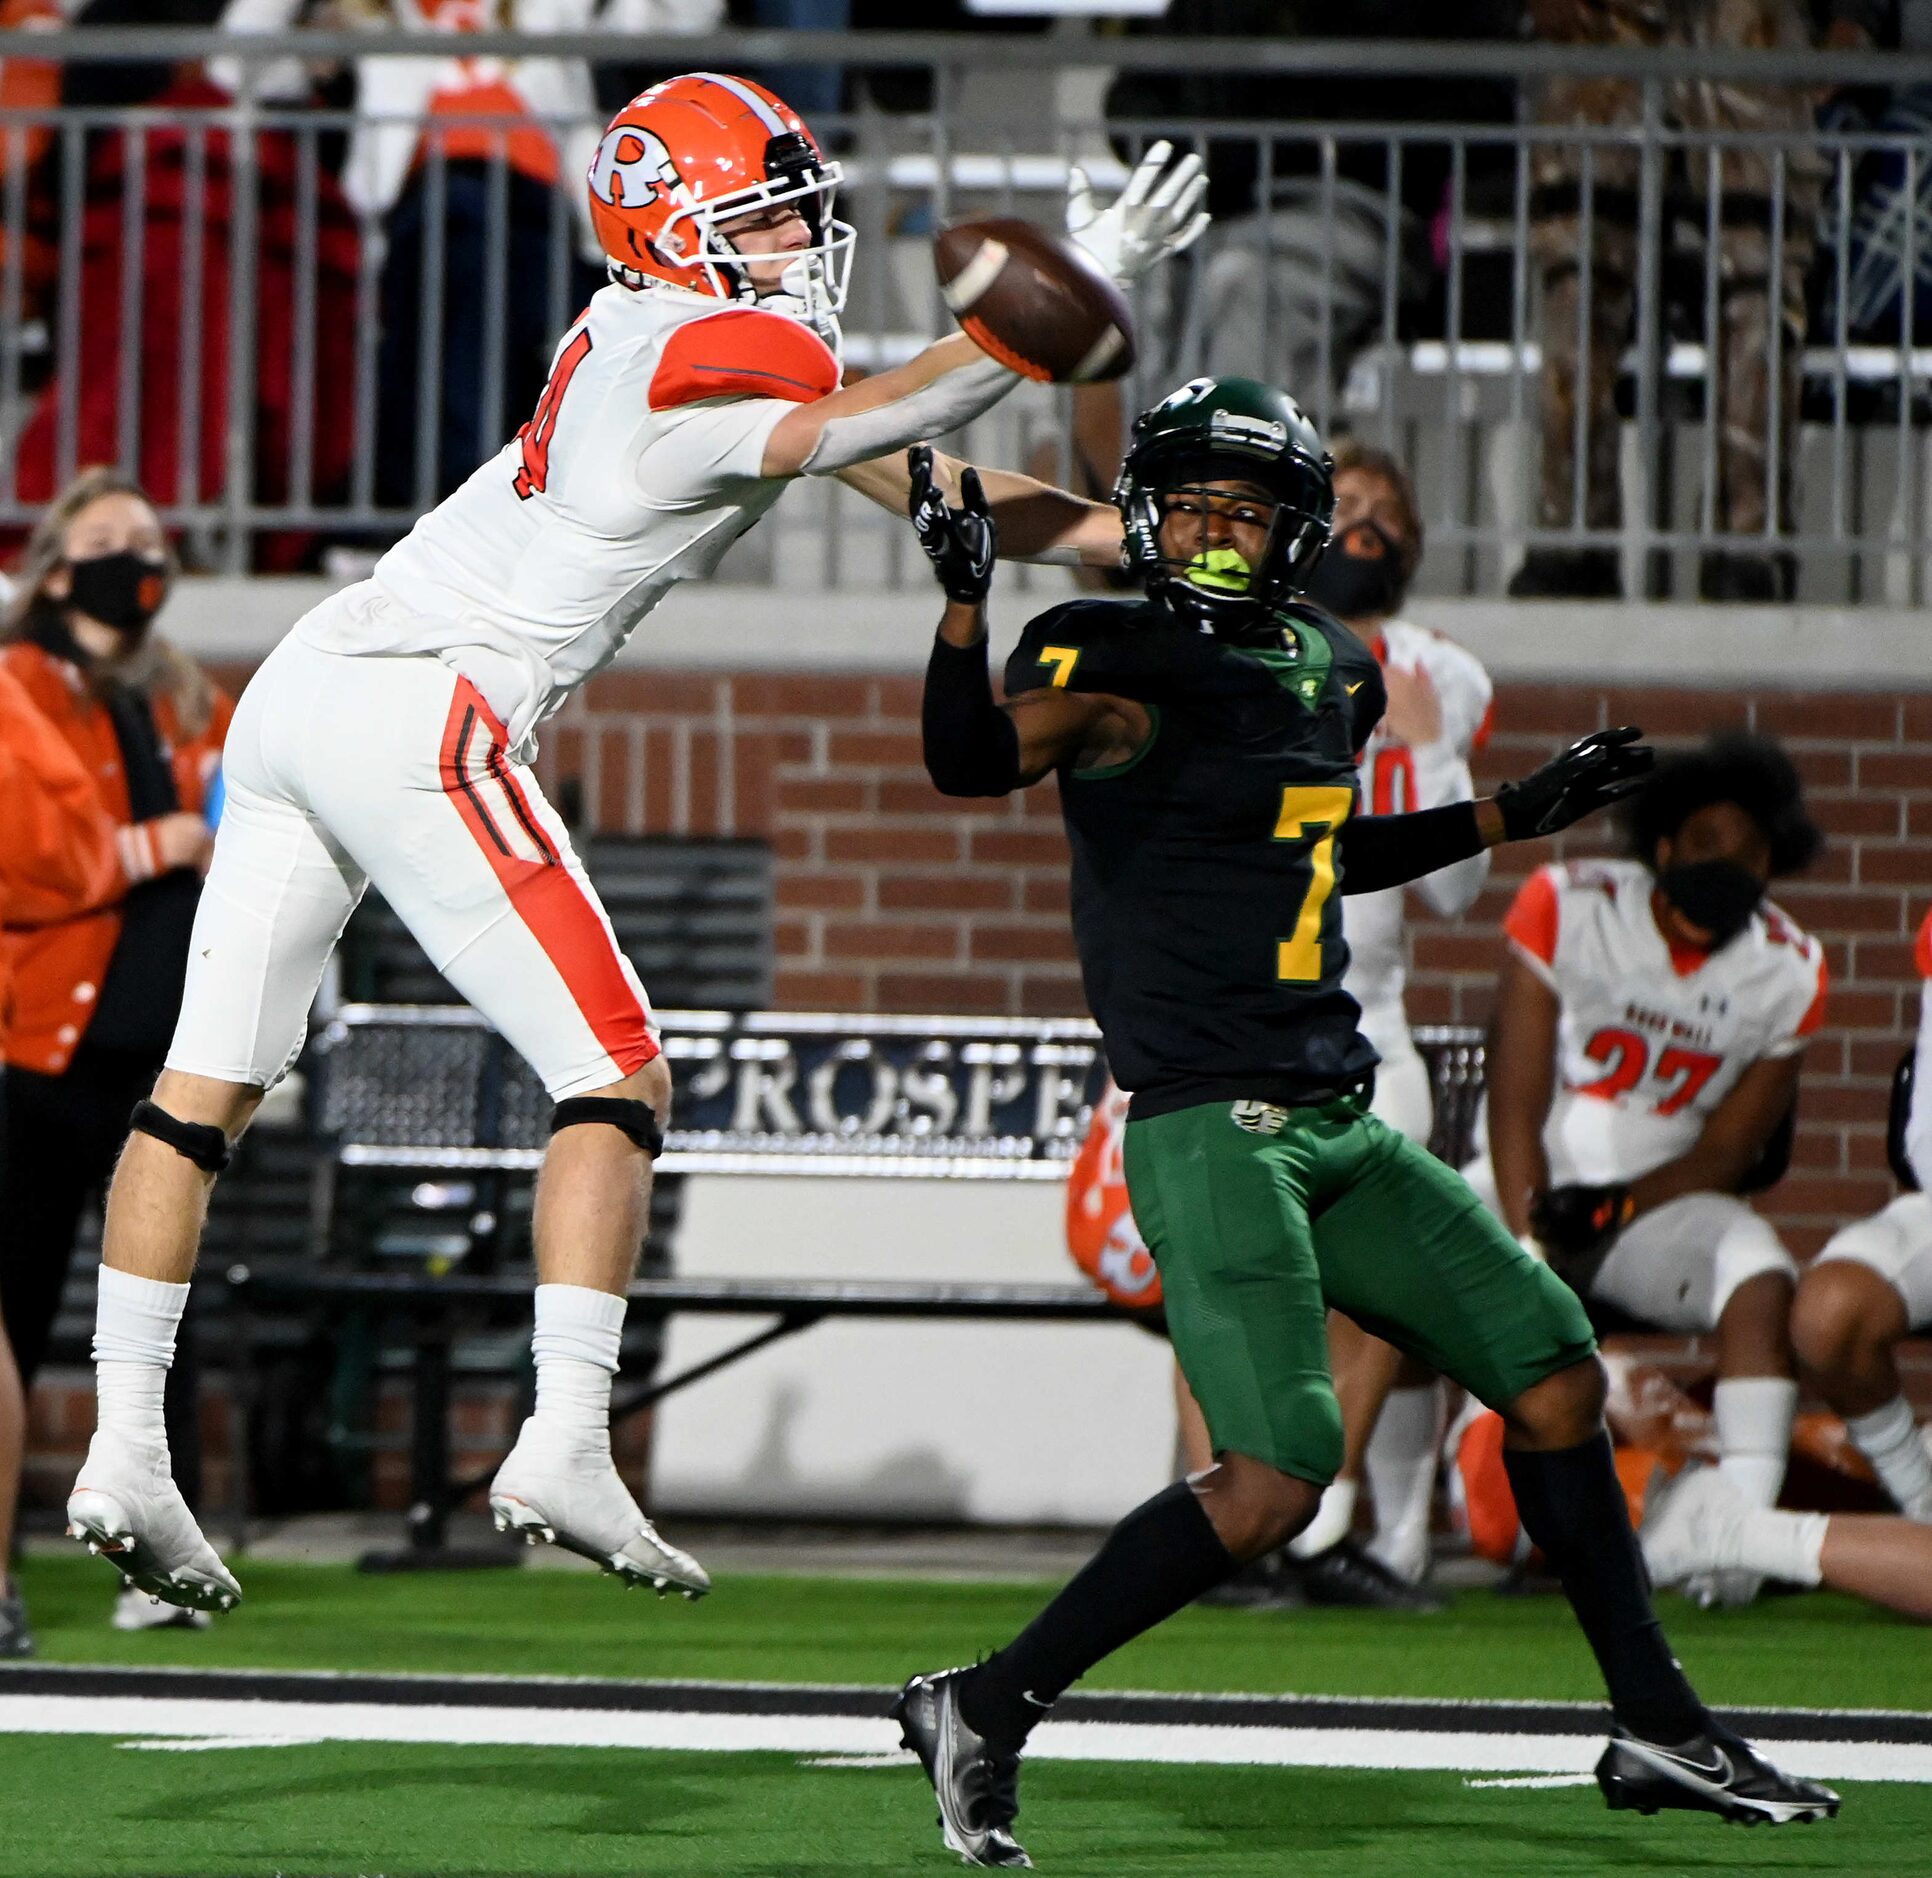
<point>1718,896</point>
<point>1358,586</point>
<point>123,590</point>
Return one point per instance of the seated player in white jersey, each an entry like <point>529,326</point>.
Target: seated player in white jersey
<point>1872,1285</point>
<point>1417,758</point>
<point>388,739</point>
<point>1650,1023</point>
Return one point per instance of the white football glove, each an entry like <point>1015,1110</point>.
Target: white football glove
<point>1158,214</point>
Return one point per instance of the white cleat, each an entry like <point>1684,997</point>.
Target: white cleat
<point>126,1508</point>
<point>556,1493</point>
<point>1693,1533</point>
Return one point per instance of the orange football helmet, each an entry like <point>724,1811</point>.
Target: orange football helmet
<point>690,154</point>
<point>1101,1234</point>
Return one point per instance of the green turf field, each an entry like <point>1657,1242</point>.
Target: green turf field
<point>84,1805</point>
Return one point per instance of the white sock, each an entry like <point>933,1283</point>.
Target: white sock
<point>1753,1417</point>
<point>1783,1545</point>
<point>1889,1438</point>
<point>1401,1469</point>
<point>135,1320</point>
<point>1333,1518</point>
<point>575,1345</point>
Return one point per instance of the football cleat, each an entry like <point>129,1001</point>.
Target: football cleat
<point>1713,1772</point>
<point>1346,1574</point>
<point>1268,1584</point>
<point>16,1634</point>
<point>126,1508</point>
<point>978,1788</point>
<point>135,1609</point>
<point>551,1492</point>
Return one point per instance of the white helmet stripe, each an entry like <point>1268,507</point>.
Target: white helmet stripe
<point>739,89</point>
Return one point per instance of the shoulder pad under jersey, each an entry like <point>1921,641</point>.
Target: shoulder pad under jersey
<point>743,353</point>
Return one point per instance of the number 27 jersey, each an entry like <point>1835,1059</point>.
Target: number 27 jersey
<point>1651,1038</point>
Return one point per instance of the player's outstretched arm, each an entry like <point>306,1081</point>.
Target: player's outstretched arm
<point>972,745</point>
<point>1389,850</point>
<point>1035,521</point>
<point>948,384</point>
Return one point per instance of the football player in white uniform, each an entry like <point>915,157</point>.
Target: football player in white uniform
<point>1650,1024</point>
<point>1417,758</point>
<point>388,738</point>
<point>1872,1285</point>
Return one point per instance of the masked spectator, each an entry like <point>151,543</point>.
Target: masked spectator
<point>95,994</point>
<point>58,858</point>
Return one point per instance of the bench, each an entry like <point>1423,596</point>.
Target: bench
<point>431,1090</point>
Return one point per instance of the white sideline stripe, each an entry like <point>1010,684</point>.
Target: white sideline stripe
<point>208,1719</point>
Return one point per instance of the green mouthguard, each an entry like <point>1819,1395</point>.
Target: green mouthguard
<point>1221,569</point>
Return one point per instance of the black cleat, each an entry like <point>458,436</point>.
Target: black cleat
<point>1346,1574</point>
<point>1713,1772</point>
<point>978,1787</point>
<point>1270,1583</point>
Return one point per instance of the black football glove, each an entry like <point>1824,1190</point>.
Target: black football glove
<point>1575,1222</point>
<point>960,542</point>
<point>1592,773</point>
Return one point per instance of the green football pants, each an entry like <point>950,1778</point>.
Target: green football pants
<point>1259,1217</point>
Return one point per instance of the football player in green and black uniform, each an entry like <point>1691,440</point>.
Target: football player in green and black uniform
<point>1205,742</point>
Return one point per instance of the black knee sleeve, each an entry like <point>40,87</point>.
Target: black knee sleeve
<point>631,1117</point>
<point>198,1142</point>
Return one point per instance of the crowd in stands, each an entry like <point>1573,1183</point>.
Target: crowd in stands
<point>481,256</point>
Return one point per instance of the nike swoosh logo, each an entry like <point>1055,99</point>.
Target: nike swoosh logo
<point>1027,1695</point>
<point>1719,1771</point>
<point>1354,688</point>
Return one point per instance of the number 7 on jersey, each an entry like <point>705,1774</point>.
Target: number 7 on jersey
<point>1318,810</point>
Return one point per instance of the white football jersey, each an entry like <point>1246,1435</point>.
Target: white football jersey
<point>1396,779</point>
<point>639,468</point>
<point>1652,1037</point>
<point>1918,1122</point>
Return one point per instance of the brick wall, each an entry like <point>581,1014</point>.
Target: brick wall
<point>891,898</point>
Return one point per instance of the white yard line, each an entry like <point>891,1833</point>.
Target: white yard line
<point>152,1720</point>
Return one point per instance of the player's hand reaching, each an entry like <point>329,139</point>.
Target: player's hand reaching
<point>1592,773</point>
<point>960,542</point>
<point>1158,214</point>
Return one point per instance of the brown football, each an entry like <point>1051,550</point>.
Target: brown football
<point>1033,300</point>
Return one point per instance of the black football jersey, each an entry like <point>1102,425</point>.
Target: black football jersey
<point>1205,892</point>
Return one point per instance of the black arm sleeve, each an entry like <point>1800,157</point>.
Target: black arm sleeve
<point>971,745</point>
<point>1380,851</point>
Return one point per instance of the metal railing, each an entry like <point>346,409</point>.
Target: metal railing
<point>186,291</point>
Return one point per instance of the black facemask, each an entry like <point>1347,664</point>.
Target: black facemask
<point>123,590</point>
<point>1358,586</point>
<point>1719,896</point>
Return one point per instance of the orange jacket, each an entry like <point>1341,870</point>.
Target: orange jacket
<point>57,848</point>
<point>57,968</point>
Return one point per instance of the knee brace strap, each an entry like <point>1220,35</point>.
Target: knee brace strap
<point>199,1142</point>
<point>631,1117</point>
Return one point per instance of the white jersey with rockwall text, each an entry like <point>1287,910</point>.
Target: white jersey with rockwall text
<point>639,468</point>
<point>1397,778</point>
<point>1652,1037</point>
